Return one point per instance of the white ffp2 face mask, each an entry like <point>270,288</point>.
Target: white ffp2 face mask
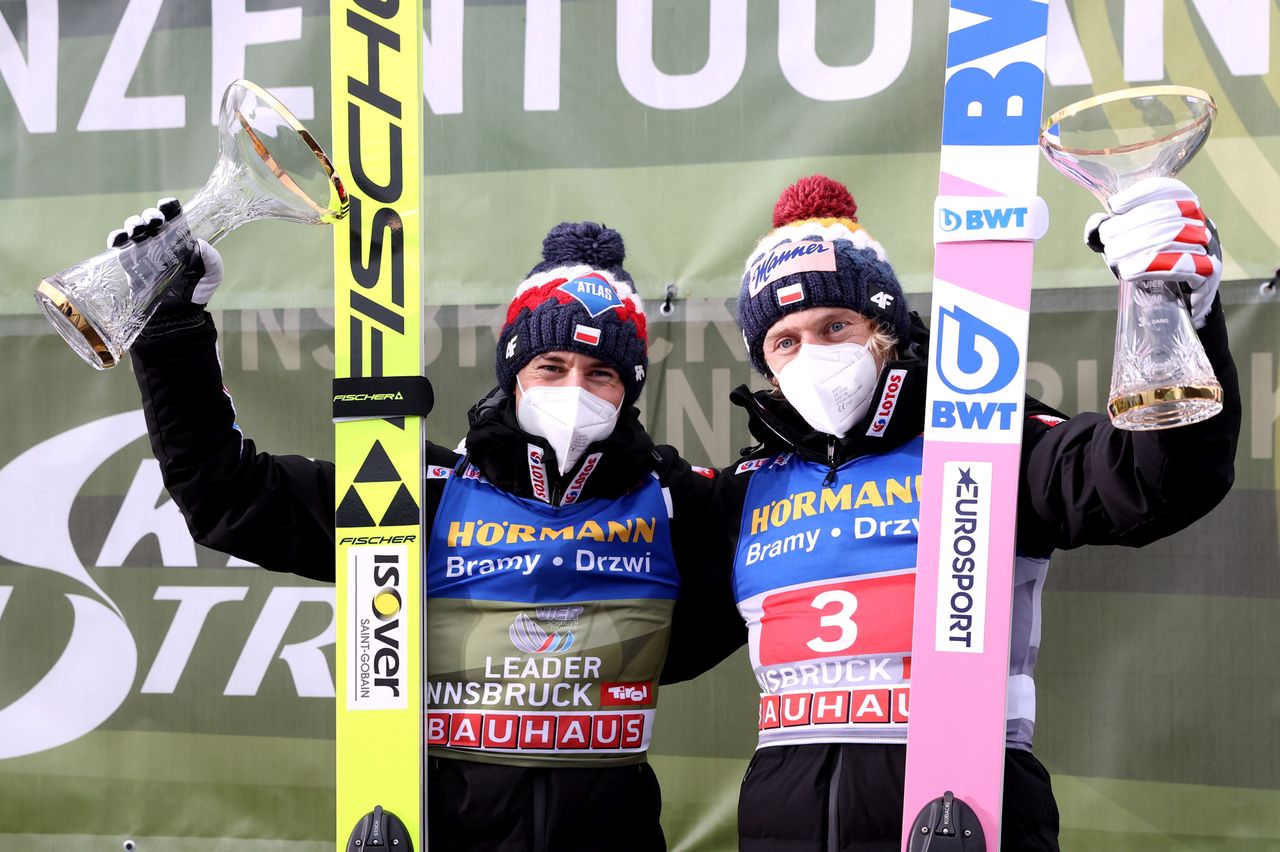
<point>830,386</point>
<point>569,417</point>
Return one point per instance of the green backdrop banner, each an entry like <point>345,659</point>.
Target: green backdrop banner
<point>152,689</point>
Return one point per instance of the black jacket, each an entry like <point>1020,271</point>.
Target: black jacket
<point>1083,480</point>
<point>277,511</point>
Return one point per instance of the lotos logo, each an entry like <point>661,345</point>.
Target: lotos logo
<point>974,357</point>
<point>530,637</point>
<point>888,402</point>
<point>538,473</point>
<point>615,694</point>
<point>574,492</point>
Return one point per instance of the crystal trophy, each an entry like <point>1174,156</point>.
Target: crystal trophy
<point>269,167</point>
<point>1160,377</point>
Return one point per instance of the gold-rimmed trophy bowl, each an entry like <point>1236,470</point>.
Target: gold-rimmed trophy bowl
<point>1161,377</point>
<point>268,167</point>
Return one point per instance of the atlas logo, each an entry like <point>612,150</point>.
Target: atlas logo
<point>594,293</point>
<point>887,403</point>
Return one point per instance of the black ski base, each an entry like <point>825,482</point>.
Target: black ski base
<point>381,831</point>
<point>947,824</point>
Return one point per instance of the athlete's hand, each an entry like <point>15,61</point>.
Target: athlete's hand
<point>1157,231</point>
<point>158,243</point>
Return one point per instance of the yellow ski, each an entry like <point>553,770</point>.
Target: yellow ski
<point>379,396</point>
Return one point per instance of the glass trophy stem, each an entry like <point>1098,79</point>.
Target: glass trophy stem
<point>1160,377</point>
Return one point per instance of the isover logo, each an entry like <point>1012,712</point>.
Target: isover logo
<point>977,363</point>
<point>377,674</point>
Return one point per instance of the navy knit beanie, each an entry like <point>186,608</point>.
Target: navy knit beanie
<point>578,299</point>
<point>817,256</point>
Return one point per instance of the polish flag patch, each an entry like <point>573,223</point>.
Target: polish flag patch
<point>586,334</point>
<point>791,294</point>
<point>709,473</point>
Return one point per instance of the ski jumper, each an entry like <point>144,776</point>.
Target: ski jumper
<point>543,677</point>
<point>824,573</point>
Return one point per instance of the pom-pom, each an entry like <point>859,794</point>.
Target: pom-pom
<point>571,243</point>
<point>814,197</point>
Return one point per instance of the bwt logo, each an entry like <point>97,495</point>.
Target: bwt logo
<point>973,357</point>
<point>979,219</point>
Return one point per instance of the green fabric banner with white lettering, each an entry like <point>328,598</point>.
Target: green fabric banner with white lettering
<point>156,690</point>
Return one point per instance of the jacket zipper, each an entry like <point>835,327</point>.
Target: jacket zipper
<point>831,463</point>
<point>833,804</point>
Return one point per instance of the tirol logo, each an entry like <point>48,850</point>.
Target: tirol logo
<point>377,672</point>
<point>618,694</point>
<point>595,293</point>
<point>887,403</point>
<point>788,258</point>
<point>530,635</point>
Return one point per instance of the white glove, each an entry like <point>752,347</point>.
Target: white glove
<point>1157,232</point>
<point>158,239</point>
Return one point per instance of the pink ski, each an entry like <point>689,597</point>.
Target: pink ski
<point>987,218</point>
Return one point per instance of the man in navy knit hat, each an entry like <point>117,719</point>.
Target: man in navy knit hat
<point>824,573</point>
<point>544,657</point>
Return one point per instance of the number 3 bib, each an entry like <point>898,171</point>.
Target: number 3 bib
<point>825,579</point>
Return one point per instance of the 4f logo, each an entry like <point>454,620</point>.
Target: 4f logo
<point>882,300</point>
